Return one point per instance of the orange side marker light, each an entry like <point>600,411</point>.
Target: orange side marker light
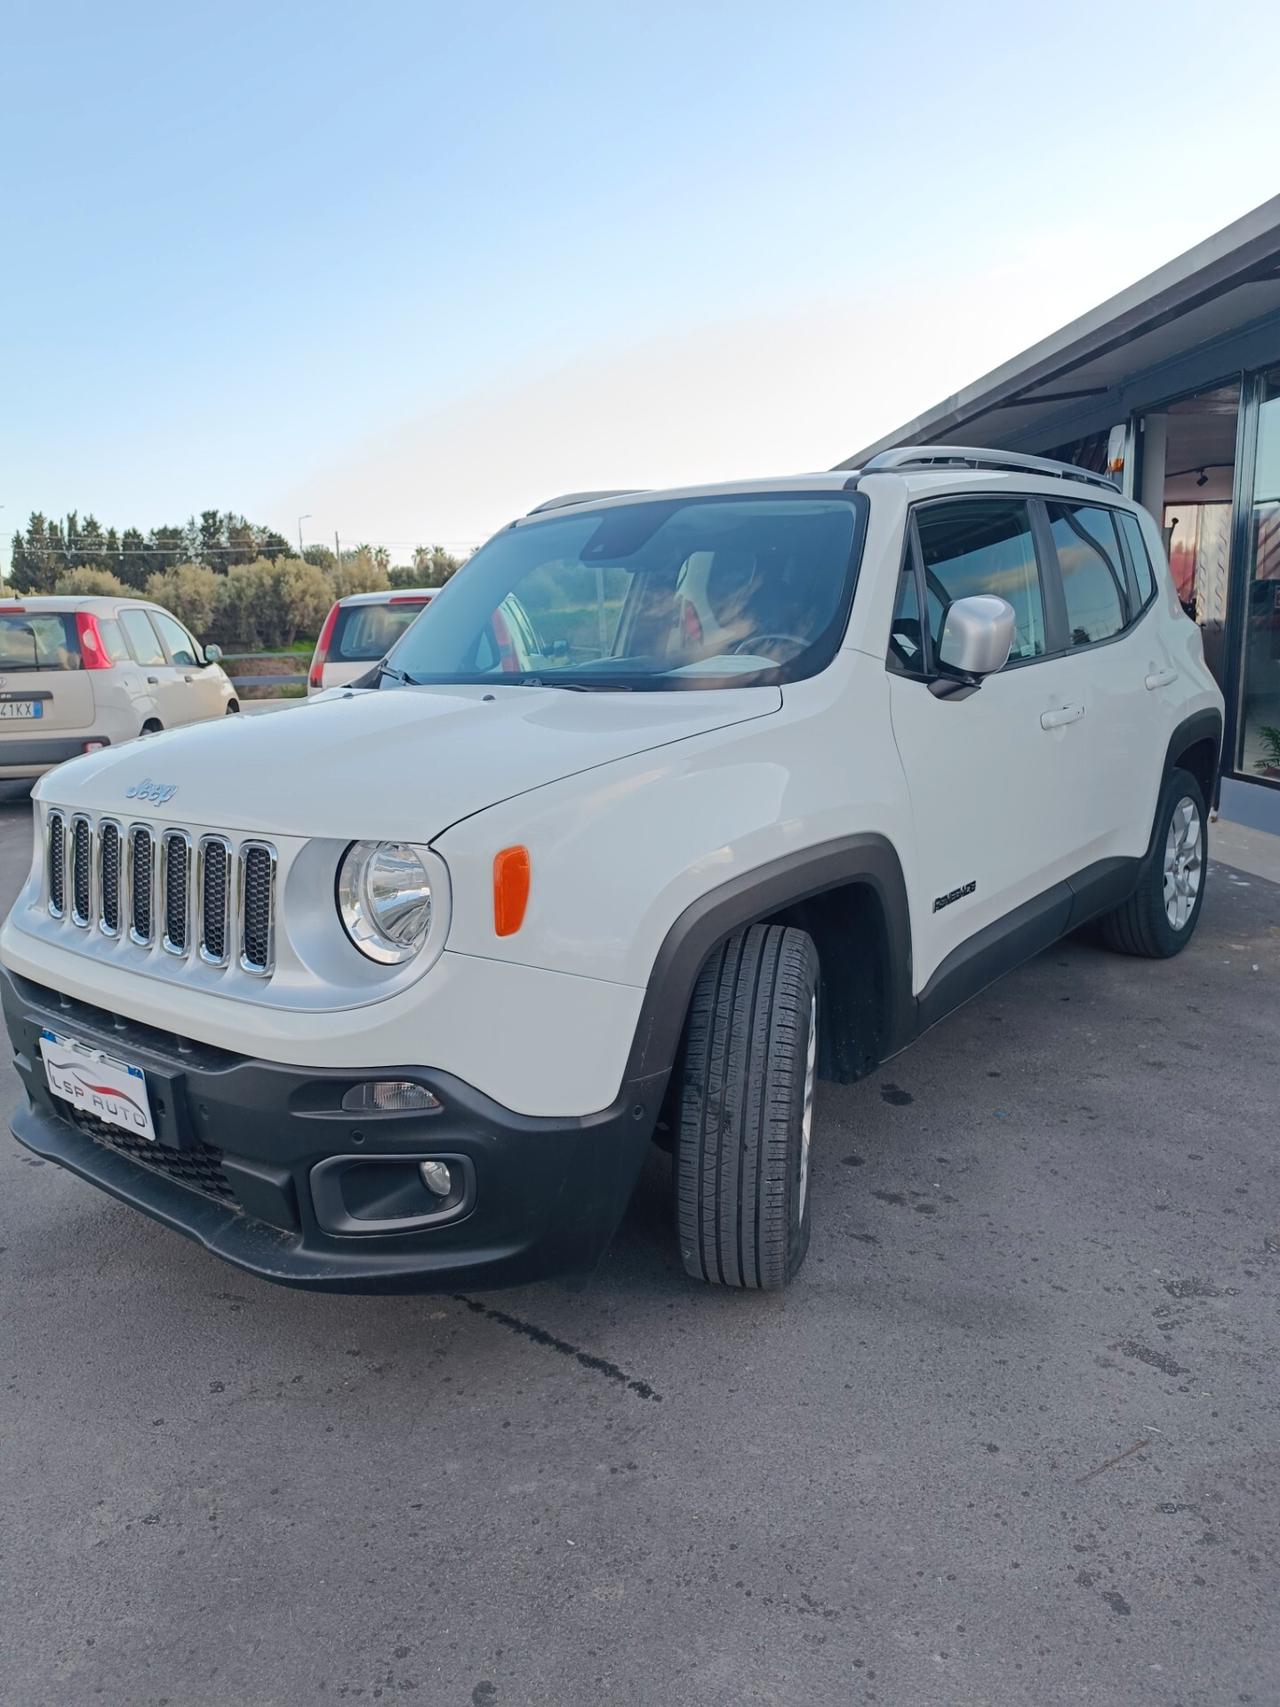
<point>510,889</point>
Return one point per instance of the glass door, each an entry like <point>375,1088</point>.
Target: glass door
<point>1259,738</point>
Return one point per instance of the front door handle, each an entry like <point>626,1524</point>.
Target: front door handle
<point>1062,715</point>
<point>153,681</point>
<point>1160,679</point>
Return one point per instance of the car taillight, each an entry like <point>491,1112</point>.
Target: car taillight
<point>315,676</point>
<point>93,651</point>
<point>410,599</point>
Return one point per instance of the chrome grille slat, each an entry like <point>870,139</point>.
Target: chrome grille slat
<point>213,886</point>
<point>175,863</point>
<point>56,864</point>
<point>81,870</point>
<point>110,871</point>
<point>256,893</point>
<point>142,862</point>
<point>154,888</point>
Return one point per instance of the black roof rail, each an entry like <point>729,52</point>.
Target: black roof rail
<point>907,457</point>
<point>567,498</point>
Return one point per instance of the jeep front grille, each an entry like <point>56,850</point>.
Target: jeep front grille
<point>164,888</point>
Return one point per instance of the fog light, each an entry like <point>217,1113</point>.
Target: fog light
<point>436,1177</point>
<point>389,1096</point>
<point>95,746</point>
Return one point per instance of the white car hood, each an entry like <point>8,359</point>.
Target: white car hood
<point>399,764</point>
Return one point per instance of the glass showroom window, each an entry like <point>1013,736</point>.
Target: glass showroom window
<point>1260,707</point>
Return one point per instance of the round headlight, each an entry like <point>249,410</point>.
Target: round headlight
<point>384,899</point>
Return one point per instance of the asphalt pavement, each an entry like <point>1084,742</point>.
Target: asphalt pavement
<point>1011,1438</point>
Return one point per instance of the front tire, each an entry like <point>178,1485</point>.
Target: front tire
<point>747,1073</point>
<point>1158,919</point>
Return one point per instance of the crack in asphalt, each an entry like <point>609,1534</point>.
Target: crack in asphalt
<point>540,1336</point>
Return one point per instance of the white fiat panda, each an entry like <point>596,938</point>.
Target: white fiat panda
<point>79,674</point>
<point>397,994</point>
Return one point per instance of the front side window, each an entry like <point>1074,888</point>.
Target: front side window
<point>182,648</point>
<point>983,545</point>
<point>668,593</point>
<point>142,637</point>
<point>1093,586</point>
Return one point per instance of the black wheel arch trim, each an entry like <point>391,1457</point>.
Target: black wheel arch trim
<point>758,894</point>
<point>1203,725</point>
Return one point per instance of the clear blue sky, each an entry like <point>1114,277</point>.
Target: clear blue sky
<point>401,265</point>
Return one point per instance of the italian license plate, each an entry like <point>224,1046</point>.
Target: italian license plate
<point>100,1084</point>
<point>24,708</point>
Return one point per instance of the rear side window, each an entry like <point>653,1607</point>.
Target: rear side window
<point>112,639</point>
<point>38,640</point>
<point>365,633</point>
<point>1093,584</point>
<point>143,643</point>
<point>1138,556</point>
<point>983,545</point>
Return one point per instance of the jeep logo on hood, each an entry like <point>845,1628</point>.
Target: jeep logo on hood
<point>158,793</point>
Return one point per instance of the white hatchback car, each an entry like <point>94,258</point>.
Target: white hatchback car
<point>79,674</point>
<point>359,631</point>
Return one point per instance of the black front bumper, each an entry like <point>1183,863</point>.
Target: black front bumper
<point>239,1139</point>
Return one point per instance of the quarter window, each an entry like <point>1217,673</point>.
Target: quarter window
<point>142,637</point>
<point>906,637</point>
<point>1088,550</point>
<point>983,545</point>
<point>1139,556</point>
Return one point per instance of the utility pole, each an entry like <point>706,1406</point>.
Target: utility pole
<point>337,551</point>
<point>302,519</point>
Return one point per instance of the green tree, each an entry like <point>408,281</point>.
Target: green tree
<point>39,557</point>
<point>433,565</point>
<point>86,582</point>
<point>190,591</point>
<point>134,564</point>
<point>359,572</point>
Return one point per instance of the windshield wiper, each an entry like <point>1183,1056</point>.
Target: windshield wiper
<point>401,676</point>
<point>542,682</point>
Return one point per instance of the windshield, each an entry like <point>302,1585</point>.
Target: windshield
<point>39,640</point>
<point>690,593</point>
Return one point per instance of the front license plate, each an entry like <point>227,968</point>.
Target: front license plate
<point>98,1083</point>
<point>26,708</point>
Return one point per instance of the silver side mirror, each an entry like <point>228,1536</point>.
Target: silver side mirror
<point>977,635</point>
<point>212,654</point>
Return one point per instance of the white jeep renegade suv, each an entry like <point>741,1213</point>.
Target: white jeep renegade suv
<point>396,994</point>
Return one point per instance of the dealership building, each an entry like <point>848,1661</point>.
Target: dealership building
<point>1174,387</point>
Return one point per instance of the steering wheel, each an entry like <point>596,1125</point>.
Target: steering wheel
<point>793,644</point>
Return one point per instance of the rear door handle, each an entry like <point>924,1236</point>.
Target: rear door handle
<point>1063,714</point>
<point>1161,679</point>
